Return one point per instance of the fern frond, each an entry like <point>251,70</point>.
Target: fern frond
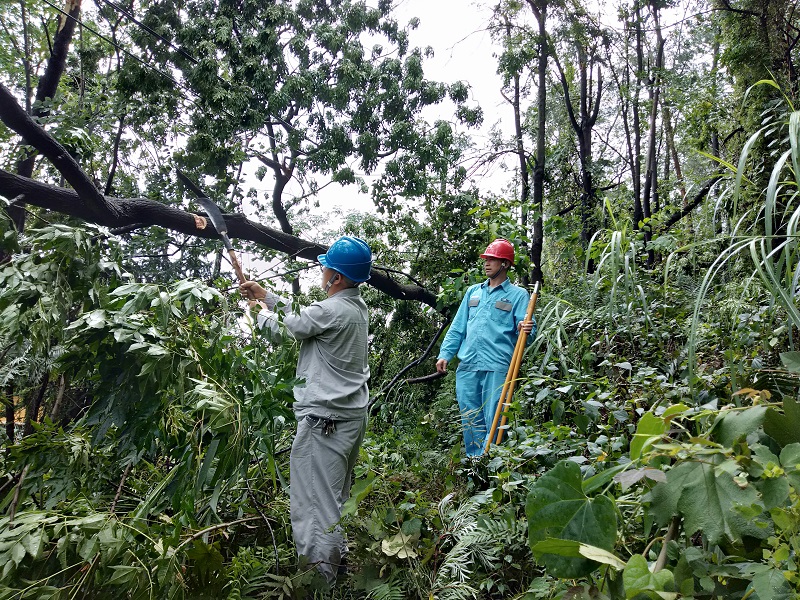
<point>388,590</point>
<point>457,591</point>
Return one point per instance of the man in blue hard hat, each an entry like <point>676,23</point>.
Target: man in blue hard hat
<point>331,404</point>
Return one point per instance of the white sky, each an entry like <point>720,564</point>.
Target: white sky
<point>463,51</point>
<point>456,29</point>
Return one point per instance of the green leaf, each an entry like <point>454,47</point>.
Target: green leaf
<point>122,574</point>
<point>95,319</point>
<point>790,460</point>
<point>791,360</point>
<point>638,579</point>
<point>709,499</point>
<point>575,550</point>
<point>358,492</point>
<point>557,508</point>
<point>595,482</point>
<point>783,427</point>
<point>569,548</point>
<point>207,558</point>
<point>771,585</point>
<point>731,425</point>
<point>412,527</point>
<point>673,411</point>
<point>17,553</point>
<point>774,492</point>
<point>88,548</point>
<point>34,542</point>
<point>649,430</point>
<point>630,477</point>
<point>202,475</point>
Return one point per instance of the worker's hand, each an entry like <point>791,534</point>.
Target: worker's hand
<point>526,326</point>
<point>252,291</point>
<point>441,365</point>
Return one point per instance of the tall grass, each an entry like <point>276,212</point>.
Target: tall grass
<point>764,237</point>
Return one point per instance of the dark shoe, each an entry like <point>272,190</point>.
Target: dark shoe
<point>341,571</point>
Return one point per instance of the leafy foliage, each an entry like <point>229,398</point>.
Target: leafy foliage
<point>653,449</point>
<point>172,405</point>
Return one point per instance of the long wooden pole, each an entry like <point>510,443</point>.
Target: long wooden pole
<point>511,377</point>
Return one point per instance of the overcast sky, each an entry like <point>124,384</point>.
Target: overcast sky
<point>463,51</point>
<point>457,31</point>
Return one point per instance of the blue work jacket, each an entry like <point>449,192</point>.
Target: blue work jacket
<point>484,331</point>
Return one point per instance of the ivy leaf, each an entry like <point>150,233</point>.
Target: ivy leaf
<point>207,558</point>
<point>638,579</point>
<point>557,508</point>
<point>708,497</point>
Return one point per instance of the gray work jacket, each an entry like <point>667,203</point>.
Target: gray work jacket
<point>333,355</point>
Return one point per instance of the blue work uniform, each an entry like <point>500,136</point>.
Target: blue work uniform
<point>483,336</point>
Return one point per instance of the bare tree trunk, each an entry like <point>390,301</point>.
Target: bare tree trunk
<point>62,386</point>
<point>539,9</point>
<point>582,123</point>
<point>32,410</point>
<point>651,174</point>
<point>636,150</point>
<point>522,157</point>
<point>628,109</point>
<point>48,84</point>
<point>26,59</point>
<point>130,213</point>
<point>672,151</point>
<point>282,174</point>
<point>112,171</point>
<point>10,414</point>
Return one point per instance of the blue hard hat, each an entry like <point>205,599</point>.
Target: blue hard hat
<point>350,256</point>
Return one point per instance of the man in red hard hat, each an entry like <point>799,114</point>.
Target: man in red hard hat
<point>331,403</point>
<point>483,336</point>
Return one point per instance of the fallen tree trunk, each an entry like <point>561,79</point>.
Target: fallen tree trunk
<point>138,213</point>
<point>88,203</point>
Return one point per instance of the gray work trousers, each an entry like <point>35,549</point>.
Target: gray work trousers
<point>320,470</point>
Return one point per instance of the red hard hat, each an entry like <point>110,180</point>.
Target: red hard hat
<point>500,248</point>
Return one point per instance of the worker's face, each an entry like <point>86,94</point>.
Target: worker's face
<point>327,274</point>
<point>493,266</point>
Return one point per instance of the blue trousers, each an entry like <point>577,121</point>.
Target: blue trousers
<point>478,393</point>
